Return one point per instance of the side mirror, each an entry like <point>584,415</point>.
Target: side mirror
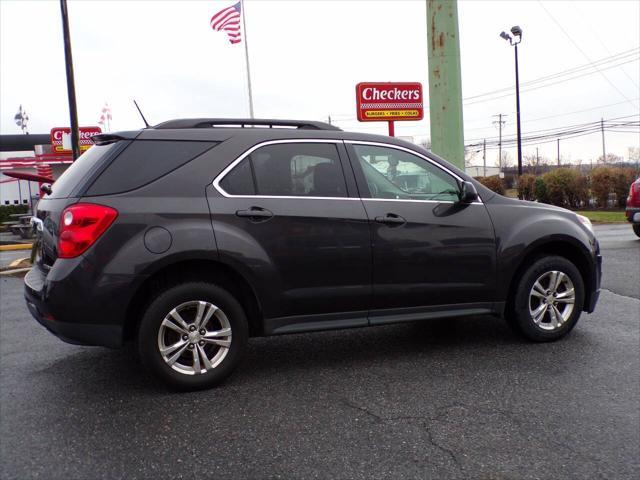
<point>468,194</point>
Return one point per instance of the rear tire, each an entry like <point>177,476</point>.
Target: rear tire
<point>192,335</point>
<point>636,229</point>
<point>548,299</point>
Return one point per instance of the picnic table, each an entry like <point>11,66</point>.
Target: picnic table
<point>22,226</point>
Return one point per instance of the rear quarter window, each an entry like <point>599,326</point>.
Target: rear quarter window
<point>145,161</point>
<point>73,178</point>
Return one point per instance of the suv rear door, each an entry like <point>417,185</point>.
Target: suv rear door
<point>430,253</point>
<point>287,217</point>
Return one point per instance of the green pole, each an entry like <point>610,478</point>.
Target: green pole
<point>445,84</point>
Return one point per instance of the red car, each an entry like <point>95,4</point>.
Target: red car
<point>633,206</point>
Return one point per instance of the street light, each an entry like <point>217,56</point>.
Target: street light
<point>514,41</point>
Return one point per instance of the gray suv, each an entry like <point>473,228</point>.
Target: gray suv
<point>192,236</point>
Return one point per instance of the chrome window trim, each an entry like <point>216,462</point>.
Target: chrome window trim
<point>411,200</point>
<point>232,165</point>
<point>412,152</point>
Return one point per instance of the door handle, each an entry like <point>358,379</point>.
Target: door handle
<point>391,219</point>
<point>255,213</point>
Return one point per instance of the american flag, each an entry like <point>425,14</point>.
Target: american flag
<point>228,20</point>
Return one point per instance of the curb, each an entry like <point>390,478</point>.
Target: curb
<point>16,246</point>
<point>14,273</point>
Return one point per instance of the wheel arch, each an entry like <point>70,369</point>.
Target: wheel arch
<point>564,247</point>
<point>194,269</point>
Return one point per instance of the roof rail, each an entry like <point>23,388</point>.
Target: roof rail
<point>244,123</point>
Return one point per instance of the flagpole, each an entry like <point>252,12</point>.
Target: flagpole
<point>246,54</point>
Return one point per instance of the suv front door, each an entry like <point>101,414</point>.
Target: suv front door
<point>286,216</point>
<point>430,252</point>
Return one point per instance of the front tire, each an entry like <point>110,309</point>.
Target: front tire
<point>636,229</point>
<point>192,335</point>
<point>548,299</point>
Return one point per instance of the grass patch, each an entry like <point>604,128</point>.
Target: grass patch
<point>600,216</point>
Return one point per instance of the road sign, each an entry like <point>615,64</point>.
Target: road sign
<point>61,138</point>
<point>387,102</point>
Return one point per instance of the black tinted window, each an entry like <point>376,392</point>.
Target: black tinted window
<point>290,169</point>
<point>78,171</point>
<point>143,162</point>
<point>239,181</point>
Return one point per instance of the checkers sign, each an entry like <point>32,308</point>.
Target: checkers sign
<point>386,102</point>
<point>61,138</point>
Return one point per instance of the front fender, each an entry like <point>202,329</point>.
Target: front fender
<point>524,228</point>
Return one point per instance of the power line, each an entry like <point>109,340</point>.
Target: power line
<point>631,127</point>
<point>595,33</point>
<point>587,124</point>
<point>583,53</point>
<point>538,87</point>
<point>611,59</point>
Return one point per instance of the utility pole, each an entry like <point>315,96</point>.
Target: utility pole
<point>558,152</point>
<point>484,157</point>
<point>71,88</point>
<point>445,81</point>
<point>537,161</point>
<point>500,123</point>
<point>329,119</point>
<point>604,151</point>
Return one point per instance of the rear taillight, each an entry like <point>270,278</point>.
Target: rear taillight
<point>81,225</point>
<point>634,194</point>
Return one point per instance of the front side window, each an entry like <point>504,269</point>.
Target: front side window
<point>289,170</point>
<point>396,174</point>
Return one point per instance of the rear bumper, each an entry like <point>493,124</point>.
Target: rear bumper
<point>77,310</point>
<point>633,214</point>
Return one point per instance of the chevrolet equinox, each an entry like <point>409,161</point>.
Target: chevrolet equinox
<point>191,236</point>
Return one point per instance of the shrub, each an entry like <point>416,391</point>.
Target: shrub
<point>493,182</point>
<point>622,180</point>
<point>6,210</point>
<point>527,187</point>
<point>541,190</point>
<point>566,188</point>
<point>602,181</point>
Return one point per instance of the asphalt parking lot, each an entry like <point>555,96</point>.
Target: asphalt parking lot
<point>457,398</point>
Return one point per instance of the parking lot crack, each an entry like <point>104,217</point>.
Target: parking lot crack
<point>375,416</point>
<point>447,451</point>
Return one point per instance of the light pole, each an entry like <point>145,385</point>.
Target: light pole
<point>514,41</point>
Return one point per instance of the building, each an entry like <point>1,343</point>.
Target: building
<point>480,171</point>
<point>30,154</point>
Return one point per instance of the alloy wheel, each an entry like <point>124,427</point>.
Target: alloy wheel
<point>551,300</point>
<point>194,337</point>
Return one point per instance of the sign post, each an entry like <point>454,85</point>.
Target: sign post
<point>389,102</point>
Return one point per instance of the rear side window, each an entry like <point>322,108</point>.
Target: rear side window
<point>70,181</point>
<point>145,161</point>
<point>290,170</point>
<point>240,180</point>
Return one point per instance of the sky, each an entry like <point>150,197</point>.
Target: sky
<point>307,56</point>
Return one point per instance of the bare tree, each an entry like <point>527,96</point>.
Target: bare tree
<point>470,155</point>
<point>531,160</point>
<point>507,160</point>
<point>610,159</point>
